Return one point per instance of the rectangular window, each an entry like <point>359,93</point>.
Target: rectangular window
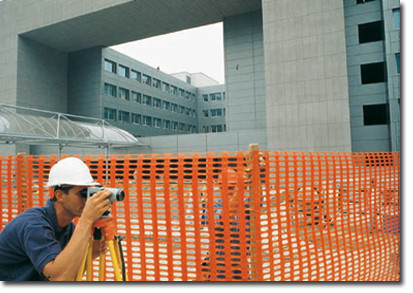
<point>166,105</point>
<point>376,114</point>
<point>136,97</point>
<point>124,94</point>
<point>157,122</point>
<point>123,116</point>
<point>166,124</point>
<point>109,66</point>
<point>109,114</point>
<point>398,62</point>
<point>174,108</point>
<point>135,75</point>
<point>371,32</point>
<point>110,89</point>
<point>174,90</point>
<point>205,96</point>
<point>396,18</point>
<point>147,100</point>
<point>373,72</point>
<point>146,79</point>
<point>123,71</point>
<point>147,121</point>
<point>205,113</point>
<point>157,103</point>
<point>174,125</point>
<point>363,1</point>
<point>156,83</point>
<point>165,87</point>
<point>136,119</point>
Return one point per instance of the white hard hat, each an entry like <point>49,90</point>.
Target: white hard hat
<point>70,171</point>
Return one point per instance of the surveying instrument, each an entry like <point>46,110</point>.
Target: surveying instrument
<point>104,229</point>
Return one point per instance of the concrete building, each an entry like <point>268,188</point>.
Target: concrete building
<point>300,75</point>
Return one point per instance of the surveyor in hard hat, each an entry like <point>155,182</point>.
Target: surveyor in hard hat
<point>43,243</point>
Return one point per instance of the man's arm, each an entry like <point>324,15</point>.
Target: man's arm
<point>68,262</point>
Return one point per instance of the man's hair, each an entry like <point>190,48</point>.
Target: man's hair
<point>65,188</point>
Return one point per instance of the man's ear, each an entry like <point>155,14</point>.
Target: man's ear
<point>58,194</point>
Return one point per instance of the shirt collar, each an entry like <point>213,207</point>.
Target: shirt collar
<point>51,211</point>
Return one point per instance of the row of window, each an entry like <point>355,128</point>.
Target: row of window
<point>144,120</point>
<point>214,113</point>
<point>214,128</point>
<point>213,97</point>
<point>124,71</point>
<point>125,94</point>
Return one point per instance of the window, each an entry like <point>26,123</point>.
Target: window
<point>109,114</point>
<point>363,1</point>
<point>157,122</point>
<point>110,89</point>
<point>398,62</point>
<point>165,105</point>
<point>136,97</point>
<point>135,75</point>
<point>174,125</point>
<point>136,119</point>
<point>123,116</point>
<point>174,108</point>
<point>373,72</point>
<point>157,103</point>
<point>156,83</point>
<point>146,79</point>
<point>396,18</point>
<point>205,96</point>
<point>166,124</point>
<point>124,94</point>
<point>216,128</point>
<point>376,114</point>
<point>216,97</point>
<point>123,71</point>
<point>147,120</point>
<point>165,87</point>
<point>174,90</point>
<point>371,32</point>
<point>147,100</point>
<point>216,112</point>
<point>109,66</point>
<point>205,113</point>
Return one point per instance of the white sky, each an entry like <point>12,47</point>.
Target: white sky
<point>194,50</point>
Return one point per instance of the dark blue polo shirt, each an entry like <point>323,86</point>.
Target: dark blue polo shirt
<point>29,242</point>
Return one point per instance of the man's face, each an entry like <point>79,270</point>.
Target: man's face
<point>73,202</point>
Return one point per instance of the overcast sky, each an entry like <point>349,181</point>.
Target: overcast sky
<point>194,50</point>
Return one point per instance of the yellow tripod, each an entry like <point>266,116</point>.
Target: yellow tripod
<point>104,227</point>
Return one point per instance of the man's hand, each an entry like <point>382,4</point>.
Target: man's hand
<point>99,247</point>
<point>95,206</point>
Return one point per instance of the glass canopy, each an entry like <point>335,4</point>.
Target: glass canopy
<point>31,126</point>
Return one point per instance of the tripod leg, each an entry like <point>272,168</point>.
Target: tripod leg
<point>115,261</point>
<point>101,267</point>
<point>89,261</point>
<point>82,266</point>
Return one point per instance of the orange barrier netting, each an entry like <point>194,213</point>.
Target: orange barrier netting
<point>239,216</point>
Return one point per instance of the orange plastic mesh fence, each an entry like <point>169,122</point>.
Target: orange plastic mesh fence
<point>232,216</point>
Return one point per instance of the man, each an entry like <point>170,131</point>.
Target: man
<point>43,243</point>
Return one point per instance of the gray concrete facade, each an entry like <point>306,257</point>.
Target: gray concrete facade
<point>306,76</point>
<point>292,68</point>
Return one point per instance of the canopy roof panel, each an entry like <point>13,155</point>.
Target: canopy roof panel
<point>32,126</point>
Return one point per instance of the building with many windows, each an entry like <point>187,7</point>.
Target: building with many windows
<point>299,75</point>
